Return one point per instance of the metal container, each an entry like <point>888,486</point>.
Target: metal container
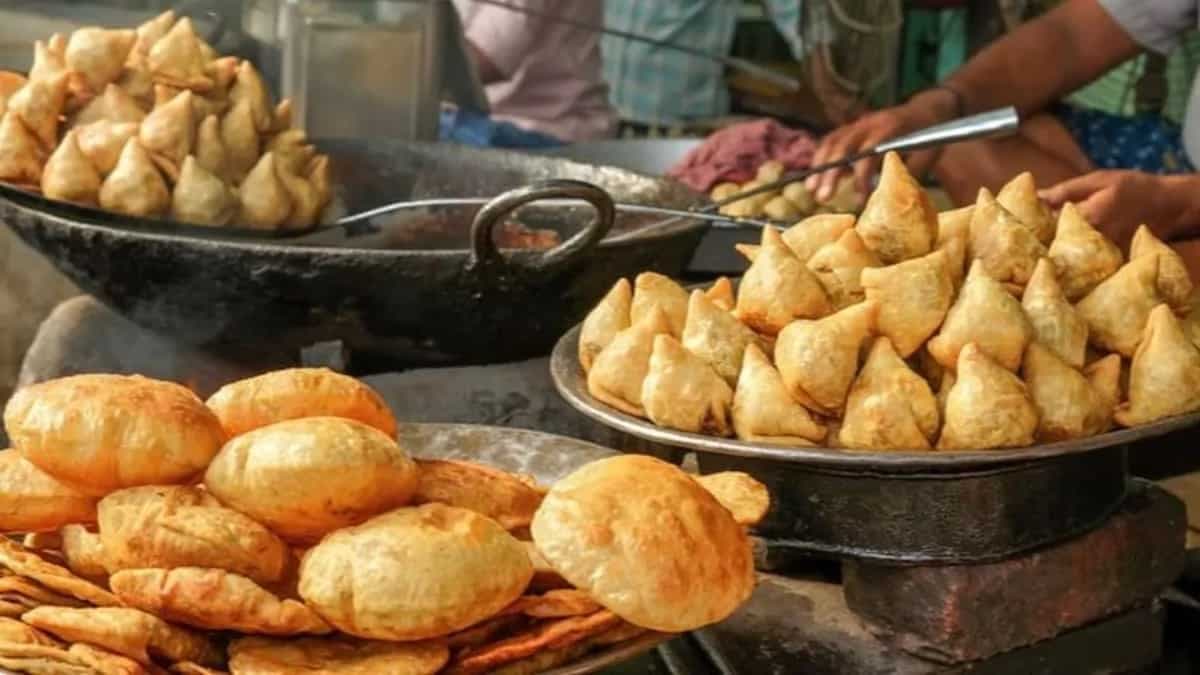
<point>902,507</point>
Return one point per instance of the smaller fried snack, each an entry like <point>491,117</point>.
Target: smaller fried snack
<point>986,314</point>
<point>1174,282</point>
<point>241,141</point>
<point>490,492</point>
<point>102,142</point>
<point>29,593</point>
<point>292,150</point>
<point>889,407</point>
<point>40,104</point>
<point>764,411</point>
<point>21,562</point>
<point>745,498</point>
<point>1082,255</point>
<point>556,634</point>
<point>818,359</point>
<point>555,604</point>
<point>898,222</point>
<point>177,526</point>
<point>609,317</point>
<point>294,393</point>
<point>84,552</point>
<point>988,407</point>
<point>1164,378</point>
<point>128,632</point>
<point>1055,322</point>
<point>445,569</point>
<point>839,265</point>
<point>1020,197</point>
<point>1117,310</point>
<point>114,105</point>
<point>16,632</point>
<point>716,336</point>
<point>778,288</point>
<point>266,202</point>
<point>150,33</point>
<point>135,187</point>
<point>335,656</point>
<point>682,391</point>
<point>215,600</point>
<point>1006,246</point>
<point>169,131</point>
<point>652,290</point>
<point>200,197</point>
<point>210,148</point>
<point>1068,406</point>
<point>620,369</point>
<point>721,294</point>
<point>69,175</point>
<point>810,235</point>
<point>99,54</point>
<point>1105,377</point>
<point>32,501</point>
<point>105,662</point>
<point>249,87</point>
<point>36,659</point>
<point>913,298</point>
<point>20,154</point>
<point>545,577</point>
<point>178,58</point>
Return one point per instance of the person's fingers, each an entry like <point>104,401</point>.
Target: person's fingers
<point>1100,210</point>
<point>1074,189</point>
<point>863,170</point>
<point>824,151</point>
<point>847,144</point>
<point>921,162</point>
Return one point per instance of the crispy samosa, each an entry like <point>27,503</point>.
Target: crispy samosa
<point>839,265</point>
<point>1068,406</point>
<point>169,131</point>
<point>249,87</point>
<point>986,314</point>
<point>913,298</point>
<point>609,317</point>
<point>889,407</point>
<point>49,64</point>
<point>178,58</point>
<point>1164,378</point>
<point>1116,311</point>
<point>956,257</point>
<point>899,222</point>
<point>292,149</point>
<point>1021,199</point>
<point>306,202</point>
<point>114,105</point>
<point>1055,322</point>
<point>681,391</point>
<point>1105,377</point>
<point>11,83</point>
<point>149,33</point>
<point>266,202</point>
<point>241,141</point>
<point>651,290</point>
<point>716,336</point>
<point>955,223</point>
<point>139,85</point>
<point>283,116</point>
<point>102,142</point>
<point>202,106</point>
<point>21,154</point>
<point>620,368</point>
<point>135,186</point>
<point>1008,247</point>
<point>99,54</point>
<point>223,72</point>
<point>988,407</point>
<point>818,359</point>
<point>319,176</point>
<point>69,175</point>
<point>201,197</point>
<point>40,104</point>
<point>721,294</point>
<point>1174,281</point>
<point>807,237</point>
<point>210,148</point>
<point>778,289</point>
<point>1082,256</point>
<point>764,412</point>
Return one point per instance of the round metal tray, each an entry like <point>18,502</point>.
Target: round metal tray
<point>901,507</point>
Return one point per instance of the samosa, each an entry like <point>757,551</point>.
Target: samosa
<point>1164,377</point>
<point>988,407</point>
<point>899,222</point>
<point>721,294</point>
<point>716,336</point>
<point>266,202</point>
<point>1082,256</point>
<point>651,290</point>
<point>764,412</point>
<point>889,407</point>
<point>807,237</point>
<point>201,198</point>
<point>1116,311</point>
<point>839,265</point>
<point>178,58</point>
<point>169,131</point>
<point>40,105</point>
<point>778,289</point>
<point>986,314</point>
<point>913,298</point>
<point>1174,281</point>
<point>1104,375</point>
<point>1008,248</point>
<point>248,86</point>
<point>1055,322</point>
<point>241,141</point>
<point>305,200</point>
<point>1068,406</point>
<point>148,34</point>
<point>620,368</point>
<point>99,54</point>
<point>210,148</point>
<point>608,318</point>
<point>69,175</point>
<point>818,359</point>
<point>681,391</point>
<point>135,186</point>
<point>21,154</point>
<point>1021,199</point>
<point>292,149</point>
<point>102,142</point>
<point>114,105</point>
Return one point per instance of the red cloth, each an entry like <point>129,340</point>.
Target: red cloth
<point>735,153</point>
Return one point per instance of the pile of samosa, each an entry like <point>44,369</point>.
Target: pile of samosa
<point>152,122</point>
<point>997,325</point>
<point>280,527</point>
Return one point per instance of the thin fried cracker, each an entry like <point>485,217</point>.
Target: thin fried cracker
<point>128,632</point>
<point>13,586</point>
<point>54,577</point>
<point>557,634</point>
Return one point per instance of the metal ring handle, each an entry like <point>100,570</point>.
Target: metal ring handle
<point>483,248</point>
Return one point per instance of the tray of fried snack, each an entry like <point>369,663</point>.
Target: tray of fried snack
<point>291,524</point>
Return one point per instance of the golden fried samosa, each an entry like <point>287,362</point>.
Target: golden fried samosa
<point>1164,377</point>
<point>266,202</point>
<point>1055,322</point>
<point>839,265</point>
<point>249,87</point>
<point>1105,377</point>
<point>99,54</point>
<point>210,148</point>
<point>69,175</point>
<point>114,105</point>
<point>818,359</point>
<point>223,72</point>
<point>806,237</point>
<point>889,407</point>
<point>135,187</point>
<point>292,149</point>
<point>20,152</point>
<point>778,288</point>
<point>1008,248</point>
<point>319,176</point>
<point>49,65</point>
<point>148,34</point>
<point>681,391</point>
<point>241,141</point>
<point>955,223</point>
<point>943,392</point>
<point>1068,406</point>
<point>201,198</point>
<point>988,407</point>
<point>620,368</point>
<point>306,201</point>
<point>899,222</point>
<point>11,83</point>
<point>721,294</point>
<point>102,142</point>
<point>651,290</point>
<point>609,317</point>
<point>1021,199</point>
<point>178,58</point>
<point>913,297</point>
<point>1082,256</point>
<point>169,131</point>
<point>986,314</point>
<point>716,336</point>
<point>40,104</point>
<point>202,106</point>
<point>283,116</point>
<point>956,258</point>
<point>764,412</point>
<point>1174,281</point>
<point>1116,311</point>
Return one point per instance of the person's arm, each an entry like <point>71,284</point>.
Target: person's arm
<point>498,39</point>
<point>1029,68</point>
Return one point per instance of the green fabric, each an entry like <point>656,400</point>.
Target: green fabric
<point>934,44</point>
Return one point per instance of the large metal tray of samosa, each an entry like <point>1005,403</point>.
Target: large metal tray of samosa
<point>900,507</point>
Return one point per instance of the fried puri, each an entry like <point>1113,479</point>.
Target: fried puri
<point>616,529</point>
<point>32,501</point>
<point>248,404</point>
<point>343,656</point>
<point>491,492</point>
<point>414,573</point>
<point>100,433</point>
<point>304,478</point>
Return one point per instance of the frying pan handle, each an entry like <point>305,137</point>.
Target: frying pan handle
<point>483,247</point>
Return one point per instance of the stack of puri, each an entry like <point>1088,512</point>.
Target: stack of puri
<point>152,122</point>
<point>280,527</point>
<point>997,325</point>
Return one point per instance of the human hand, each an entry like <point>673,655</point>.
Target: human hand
<point>1117,202</point>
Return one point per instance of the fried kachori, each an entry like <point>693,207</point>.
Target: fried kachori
<point>33,501</point>
<point>335,656</point>
<point>304,478</point>
<point>100,433</point>
<point>496,494</point>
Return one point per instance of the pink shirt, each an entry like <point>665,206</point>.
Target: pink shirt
<point>555,84</point>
